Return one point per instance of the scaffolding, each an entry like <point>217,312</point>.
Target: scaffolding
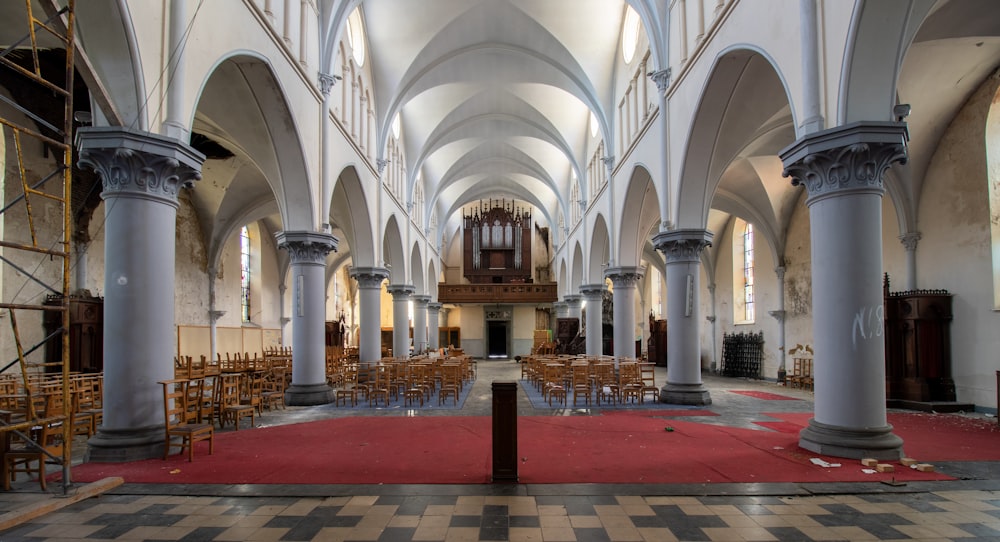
<point>21,62</point>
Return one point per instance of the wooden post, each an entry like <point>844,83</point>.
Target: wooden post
<point>505,432</point>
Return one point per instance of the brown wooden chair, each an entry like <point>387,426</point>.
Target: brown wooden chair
<point>180,432</point>
<point>274,389</point>
<point>44,441</point>
<point>230,408</point>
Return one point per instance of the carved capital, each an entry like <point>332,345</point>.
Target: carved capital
<point>369,277</point>
<point>624,277</point>
<point>380,163</point>
<point>910,240</point>
<point>780,272</point>
<point>609,162</point>
<point>593,292</point>
<point>682,246</point>
<point>433,308</point>
<point>421,301</point>
<point>139,164</point>
<point>400,291</point>
<point>326,82</point>
<point>307,247</point>
<point>661,78</point>
<point>845,159</point>
<point>573,301</point>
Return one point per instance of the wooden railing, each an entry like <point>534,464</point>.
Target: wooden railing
<point>497,293</point>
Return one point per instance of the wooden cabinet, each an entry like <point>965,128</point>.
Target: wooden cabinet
<point>658,342</point>
<point>86,334</point>
<point>918,346</point>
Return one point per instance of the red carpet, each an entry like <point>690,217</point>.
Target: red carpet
<point>764,395</point>
<point>624,447</point>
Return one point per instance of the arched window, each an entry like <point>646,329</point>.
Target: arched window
<point>630,34</point>
<point>748,304</point>
<point>245,273</point>
<point>743,273</point>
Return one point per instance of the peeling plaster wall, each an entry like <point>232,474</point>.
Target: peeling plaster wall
<point>798,278</point>
<point>191,264</point>
<point>955,253</point>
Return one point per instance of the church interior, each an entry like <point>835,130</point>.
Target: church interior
<point>796,192</point>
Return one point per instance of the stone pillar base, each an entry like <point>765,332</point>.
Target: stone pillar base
<point>124,445</point>
<point>685,394</point>
<point>851,442</point>
<point>308,395</point>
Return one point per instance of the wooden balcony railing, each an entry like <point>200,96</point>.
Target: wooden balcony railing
<point>497,293</point>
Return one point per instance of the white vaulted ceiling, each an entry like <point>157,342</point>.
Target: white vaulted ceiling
<point>494,96</point>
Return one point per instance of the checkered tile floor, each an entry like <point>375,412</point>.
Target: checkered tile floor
<point>941,515</point>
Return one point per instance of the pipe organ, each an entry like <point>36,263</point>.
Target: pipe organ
<point>497,243</point>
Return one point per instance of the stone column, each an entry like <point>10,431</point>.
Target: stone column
<point>141,174</point>
<point>420,303</point>
<point>594,294</point>
<point>910,241</point>
<point>308,252</point>
<point>561,309</point>
<point>682,249</point>
<point>574,307</point>
<point>401,319</point>
<point>842,170</point>
<point>370,302</point>
<point>624,280</point>
<point>433,326</point>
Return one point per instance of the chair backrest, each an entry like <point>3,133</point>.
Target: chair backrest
<point>174,402</point>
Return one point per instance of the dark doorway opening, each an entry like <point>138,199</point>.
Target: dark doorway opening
<point>496,339</point>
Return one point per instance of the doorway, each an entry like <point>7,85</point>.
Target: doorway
<point>496,340</point>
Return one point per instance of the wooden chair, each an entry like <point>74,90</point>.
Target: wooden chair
<point>451,382</point>
<point>554,387</point>
<point>45,440</point>
<point>801,375</point>
<point>253,392</point>
<point>180,432</point>
<point>380,387</point>
<point>630,382</point>
<point>273,395</point>
<point>230,408</point>
<point>581,382</point>
<point>606,383</point>
<point>648,373</point>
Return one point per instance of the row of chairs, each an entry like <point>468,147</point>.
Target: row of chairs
<point>198,398</point>
<point>592,379</point>
<point>34,413</point>
<point>414,380</point>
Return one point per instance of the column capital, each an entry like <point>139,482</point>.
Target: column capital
<point>593,291</point>
<point>560,307</point>
<point>215,315</point>
<point>422,300</point>
<point>380,163</point>
<point>845,159</point>
<point>434,307</point>
<point>326,82</point>
<point>138,164</point>
<point>624,277</point>
<point>910,240</point>
<point>572,300</point>
<point>369,277</point>
<point>682,245</point>
<point>307,247</point>
<point>661,78</point>
<point>779,271</point>
<point>400,291</point>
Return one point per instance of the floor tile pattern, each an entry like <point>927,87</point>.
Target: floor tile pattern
<point>926,516</point>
